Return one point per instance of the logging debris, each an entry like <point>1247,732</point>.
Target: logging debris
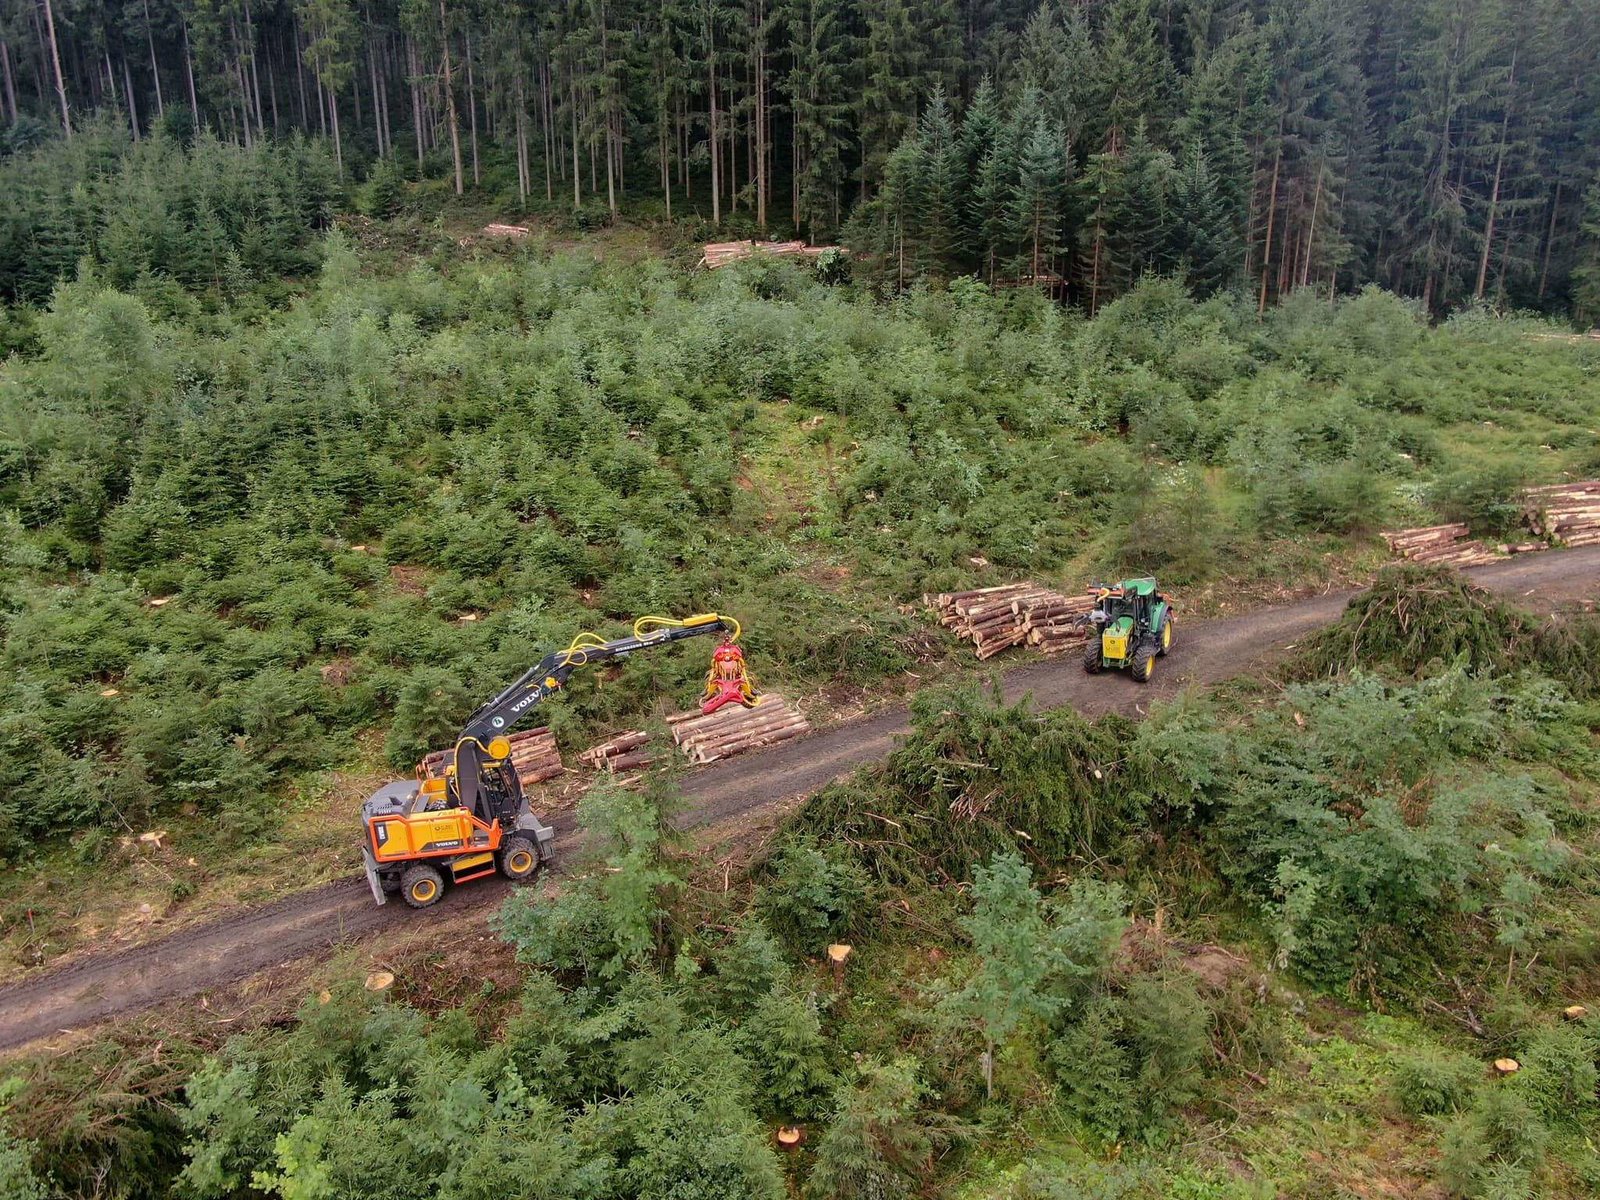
<point>1013,614</point>
<point>735,729</point>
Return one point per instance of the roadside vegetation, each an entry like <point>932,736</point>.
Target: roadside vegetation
<point>263,546</point>
<point>1250,946</point>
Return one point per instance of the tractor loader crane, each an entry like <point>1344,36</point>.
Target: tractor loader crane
<point>473,818</point>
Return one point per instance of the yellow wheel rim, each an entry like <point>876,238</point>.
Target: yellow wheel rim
<point>1149,668</point>
<point>520,862</point>
<point>424,890</point>
<point>1166,636</point>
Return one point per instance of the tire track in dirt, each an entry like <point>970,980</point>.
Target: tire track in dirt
<point>312,923</point>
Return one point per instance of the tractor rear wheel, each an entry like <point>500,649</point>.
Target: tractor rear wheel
<point>421,885</point>
<point>1092,660</point>
<point>1144,662</point>
<point>1166,635</point>
<point>518,858</point>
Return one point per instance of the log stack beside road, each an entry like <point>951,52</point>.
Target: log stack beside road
<point>625,752</point>
<point>734,729</point>
<point>1443,544</point>
<point>996,618</point>
<point>1567,512</point>
<point>720,254</point>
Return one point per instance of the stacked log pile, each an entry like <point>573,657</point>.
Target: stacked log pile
<point>533,754</point>
<point>720,254</point>
<point>734,729</point>
<point>1444,544</point>
<point>996,618</point>
<point>626,752</point>
<point>1054,623</point>
<point>1568,512</point>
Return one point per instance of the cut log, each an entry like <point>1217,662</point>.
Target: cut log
<point>630,761</point>
<point>731,731</point>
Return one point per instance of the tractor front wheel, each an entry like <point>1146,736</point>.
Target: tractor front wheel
<point>1092,660</point>
<point>1166,635</point>
<point>518,858</point>
<point>1144,663</point>
<point>421,886</point>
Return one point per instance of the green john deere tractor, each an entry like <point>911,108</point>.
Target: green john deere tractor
<point>1130,627</point>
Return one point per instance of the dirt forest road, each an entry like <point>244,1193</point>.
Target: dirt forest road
<point>313,923</point>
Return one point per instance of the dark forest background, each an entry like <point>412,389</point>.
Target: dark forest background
<point>1446,149</point>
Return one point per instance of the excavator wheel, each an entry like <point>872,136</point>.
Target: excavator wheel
<point>1144,663</point>
<point>421,885</point>
<point>518,858</point>
<point>1092,660</point>
<point>1166,636</point>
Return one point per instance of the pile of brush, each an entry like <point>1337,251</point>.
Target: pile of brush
<point>1447,545</point>
<point>734,729</point>
<point>533,754</point>
<point>996,618</point>
<point>1568,512</point>
<point>626,752</point>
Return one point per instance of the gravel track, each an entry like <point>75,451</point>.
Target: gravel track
<point>312,923</point>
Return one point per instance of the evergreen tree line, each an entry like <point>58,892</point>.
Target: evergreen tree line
<point>1447,149</point>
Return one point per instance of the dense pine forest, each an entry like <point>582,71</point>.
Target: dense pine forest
<point>1446,150</point>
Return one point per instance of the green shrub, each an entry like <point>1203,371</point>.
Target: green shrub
<point>812,896</point>
<point>1494,1149</point>
<point>1560,1073</point>
<point>1432,1083</point>
<point>1132,1058</point>
<point>1488,498</point>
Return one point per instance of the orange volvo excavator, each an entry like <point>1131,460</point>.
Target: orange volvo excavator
<point>473,819</point>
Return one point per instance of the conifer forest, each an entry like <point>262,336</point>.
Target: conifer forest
<point>355,358</point>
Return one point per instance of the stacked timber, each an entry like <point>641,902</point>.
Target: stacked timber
<point>1447,545</point>
<point>533,754</point>
<point>1053,622</point>
<point>734,729</point>
<point>720,254</point>
<point>1568,512</point>
<point>626,752</point>
<point>996,618</point>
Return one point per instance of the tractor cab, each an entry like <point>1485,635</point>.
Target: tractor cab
<point>1131,625</point>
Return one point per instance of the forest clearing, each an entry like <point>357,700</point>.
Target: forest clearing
<point>834,599</point>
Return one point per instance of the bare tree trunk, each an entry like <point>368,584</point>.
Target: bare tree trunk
<point>188,72</point>
<point>1549,240</point>
<point>338,142</point>
<point>416,99</point>
<point>255,72</point>
<point>549,131</point>
<point>377,114</point>
<point>55,60</point>
<point>450,102</point>
<point>11,85</point>
<point>713,131</point>
<point>1494,192</point>
<point>577,181</point>
<point>300,79</point>
<point>133,105</point>
<point>155,71</point>
<point>1272,213</point>
<point>472,110</point>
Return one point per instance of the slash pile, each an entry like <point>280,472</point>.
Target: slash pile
<point>735,729</point>
<point>996,618</point>
<point>1444,544</point>
<point>1568,512</point>
<point>625,752</point>
<point>533,754</point>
